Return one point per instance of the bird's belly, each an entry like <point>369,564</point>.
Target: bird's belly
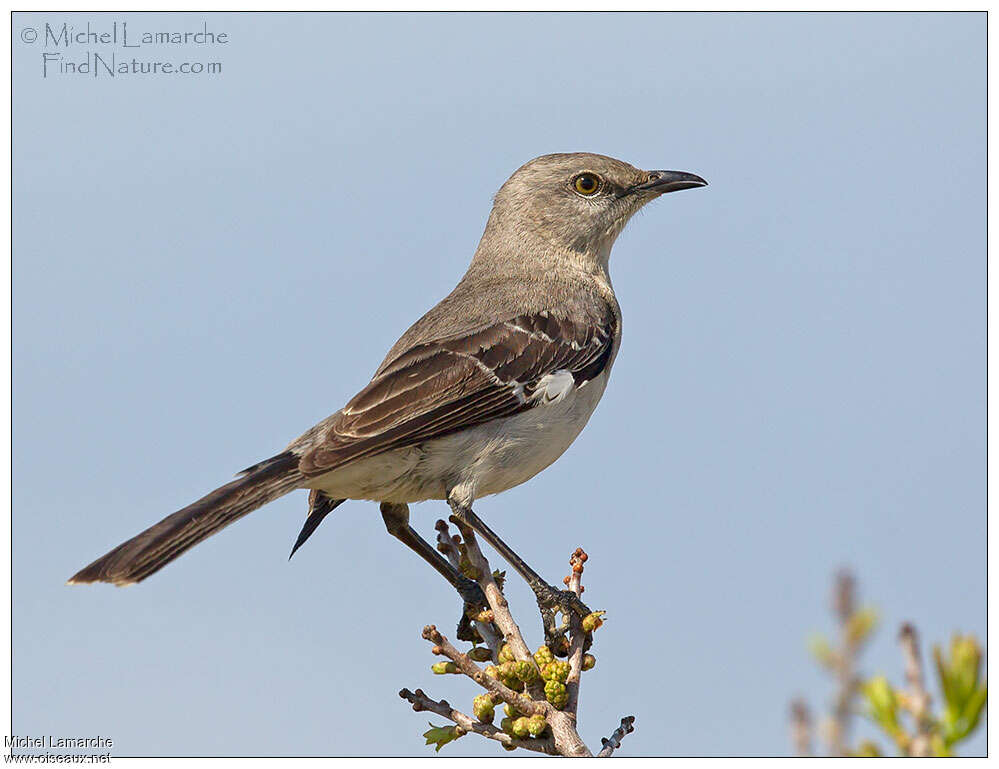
<point>476,462</point>
<point>506,453</point>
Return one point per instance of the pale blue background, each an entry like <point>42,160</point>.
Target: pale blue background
<point>205,266</point>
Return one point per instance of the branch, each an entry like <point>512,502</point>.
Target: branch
<point>485,627</point>
<point>844,606</point>
<point>614,742</point>
<point>563,725</point>
<point>497,601</point>
<point>577,638</point>
<point>918,701</point>
<point>473,671</point>
<point>801,728</point>
<point>422,702</point>
<point>529,700</point>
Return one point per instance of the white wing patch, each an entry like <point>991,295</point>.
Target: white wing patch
<point>554,387</point>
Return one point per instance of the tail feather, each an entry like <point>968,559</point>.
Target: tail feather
<point>154,548</point>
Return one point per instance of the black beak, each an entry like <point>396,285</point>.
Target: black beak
<point>662,182</point>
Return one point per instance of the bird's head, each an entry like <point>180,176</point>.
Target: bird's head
<point>578,202</point>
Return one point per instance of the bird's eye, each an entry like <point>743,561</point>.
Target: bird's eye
<point>586,184</point>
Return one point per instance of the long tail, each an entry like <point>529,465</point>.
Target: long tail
<point>150,551</point>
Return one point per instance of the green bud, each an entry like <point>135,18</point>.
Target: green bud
<point>526,671</point>
<point>441,668</point>
<point>483,708</point>
<point>521,727</point>
<point>592,621</point>
<point>556,671</point>
<point>589,662</point>
<point>556,693</point>
<point>508,675</point>
<point>537,724</point>
<point>506,654</point>
<point>543,656</point>
<point>506,725</point>
<point>511,711</point>
<point>480,654</point>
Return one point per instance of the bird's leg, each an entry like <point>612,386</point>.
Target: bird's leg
<point>550,599</point>
<point>396,519</point>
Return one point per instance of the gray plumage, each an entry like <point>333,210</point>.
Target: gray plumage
<point>483,392</point>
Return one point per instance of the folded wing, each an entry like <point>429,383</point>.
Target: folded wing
<point>438,388</point>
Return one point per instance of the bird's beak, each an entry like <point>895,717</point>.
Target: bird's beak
<point>661,182</point>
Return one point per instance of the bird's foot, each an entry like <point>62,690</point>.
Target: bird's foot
<point>472,594</point>
<point>552,601</point>
<point>564,601</point>
<point>475,603</point>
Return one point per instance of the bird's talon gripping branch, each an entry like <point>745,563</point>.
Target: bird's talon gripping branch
<point>472,595</point>
<point>539,693</point>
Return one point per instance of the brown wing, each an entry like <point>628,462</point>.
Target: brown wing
<point>452,384</point>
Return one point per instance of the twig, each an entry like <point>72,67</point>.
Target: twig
<point>577,638</point>
<point>477,674</point>
<point>421,701</point>
<point>446,545</point>
<point>844,605</point>
<point>614,741</point>
<point>497,601</point>
<point>563,724</point>
<point>565,739</point>
<point>449,547</point>
<point>918,697</point>
<point>801,728</point>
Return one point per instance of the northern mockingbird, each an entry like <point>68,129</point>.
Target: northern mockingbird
<point>479,395</point>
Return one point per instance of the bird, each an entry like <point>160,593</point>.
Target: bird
<point>482,393</point>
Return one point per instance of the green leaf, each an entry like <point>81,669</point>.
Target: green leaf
<point>946,685</point>
<point>882,703</point>
<point>441,735</point>
<point>968,720</point>
<point>964,695</point>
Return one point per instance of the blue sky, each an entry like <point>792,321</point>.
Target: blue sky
<point>206,265</point>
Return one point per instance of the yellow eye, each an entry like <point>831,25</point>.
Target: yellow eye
<point>587,184</point>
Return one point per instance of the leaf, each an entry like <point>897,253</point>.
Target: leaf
<point>882,703</point>
<point>967,722</point>
<point>946,685</point>
<point>441,735</point>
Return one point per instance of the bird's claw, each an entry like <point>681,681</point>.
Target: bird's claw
<point>475,602</point>
<point>564,601</point>
<point>472,595</point>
